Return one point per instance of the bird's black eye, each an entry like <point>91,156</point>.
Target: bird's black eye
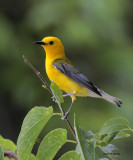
<point>51,42</point>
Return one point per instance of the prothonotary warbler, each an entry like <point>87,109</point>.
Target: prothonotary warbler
<point>61,71</point>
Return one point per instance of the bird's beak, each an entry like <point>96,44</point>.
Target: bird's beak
<point>40,43</point>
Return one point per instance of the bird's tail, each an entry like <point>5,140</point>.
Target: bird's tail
<point>111,99</point>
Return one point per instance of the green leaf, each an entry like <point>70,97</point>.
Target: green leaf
<point>89,135</point>
<point>114,125</point>
<point>57,93</point>
<point>50,145</point>
<point>31,157</point>
<point>109,151</point>
<point>106,139</point>
<point>85,148</point>
<point>110,130</point>
<point>71,155</point>
<point>7,144</point>
<point>121,135</point>
<point>1,153</point>
<point>31,128</point>
<point>109,148</point>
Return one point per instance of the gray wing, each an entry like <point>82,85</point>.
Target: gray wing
<point>71,72</point>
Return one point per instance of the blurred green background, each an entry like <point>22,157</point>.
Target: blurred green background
<point>98,38</point>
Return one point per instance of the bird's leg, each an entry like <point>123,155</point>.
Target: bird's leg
<point>65,95</point>
<point>54,99</point>
<point>69,94</point>
<point>66,114</point>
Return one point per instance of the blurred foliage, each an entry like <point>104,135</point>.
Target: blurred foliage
<point>98,38</point>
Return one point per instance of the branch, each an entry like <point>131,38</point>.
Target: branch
<point>70,126</point>
<point>49,89</point>
<point>38,74</point>
<point>11,154</point>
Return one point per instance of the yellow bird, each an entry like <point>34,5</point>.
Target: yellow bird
<point>61,71</point>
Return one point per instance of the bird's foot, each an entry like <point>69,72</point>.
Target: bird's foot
<point>65,116</point>
<point>54,99</point>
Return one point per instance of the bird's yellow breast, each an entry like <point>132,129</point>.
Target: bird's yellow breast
<point>64,82</point>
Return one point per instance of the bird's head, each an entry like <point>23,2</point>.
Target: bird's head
<point>52,46</point>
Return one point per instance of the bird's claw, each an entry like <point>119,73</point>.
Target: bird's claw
<point>54,99</point>
<point>65,116</point>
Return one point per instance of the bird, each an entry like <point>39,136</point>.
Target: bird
<point>67,77</point>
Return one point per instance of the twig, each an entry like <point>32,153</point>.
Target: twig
<point>70,126</point>
<point>11,154</point>
<point>49,89</point>
<point>38,74</point>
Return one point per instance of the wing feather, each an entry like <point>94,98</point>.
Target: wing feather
<point>71,72</point>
